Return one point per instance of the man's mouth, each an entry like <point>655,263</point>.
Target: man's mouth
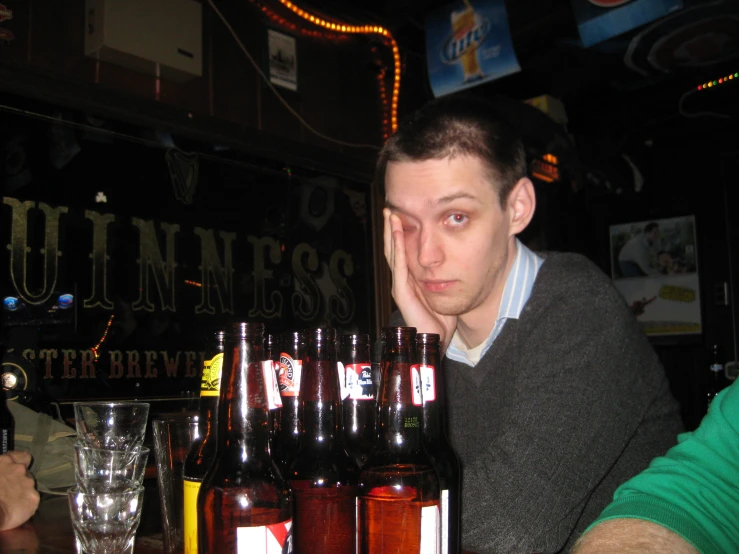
<point>437,286</point>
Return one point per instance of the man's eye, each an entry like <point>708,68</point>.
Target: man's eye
<point>457,219</point>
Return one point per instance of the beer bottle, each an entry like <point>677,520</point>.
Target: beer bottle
<point>398,486</point>
<point>291,365</point>
<point>323,476</point>
<point>244,505</point>
<point>202,450</point>
<point>435,439</point>
<point>359,406</point>
<point>7,424</point>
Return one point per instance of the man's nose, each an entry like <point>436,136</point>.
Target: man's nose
<point>430,249</point>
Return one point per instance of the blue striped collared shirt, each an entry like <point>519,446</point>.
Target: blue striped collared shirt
<point>518,286</point>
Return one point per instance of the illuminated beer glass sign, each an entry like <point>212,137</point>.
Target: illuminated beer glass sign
<point>468,43</point>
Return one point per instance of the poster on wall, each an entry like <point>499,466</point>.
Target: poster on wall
<point>599,20</point>
<point>283,60</point>
<point>654,267</point>
<point>468,43</point>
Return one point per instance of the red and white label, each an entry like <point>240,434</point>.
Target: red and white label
<point>289,379</point>
<point>428,382</point>
<point>274,400</point>
<point>416,394</point>
<point>269,539</point>
<point>359,381</point>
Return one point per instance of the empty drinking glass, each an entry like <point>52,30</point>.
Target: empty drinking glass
<point>105,523</point>
<point>111,425</point>
<point>102,470</point>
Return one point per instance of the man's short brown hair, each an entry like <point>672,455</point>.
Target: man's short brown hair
<point>459,125</point>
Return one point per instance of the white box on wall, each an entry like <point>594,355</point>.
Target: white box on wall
<point>141,34</point>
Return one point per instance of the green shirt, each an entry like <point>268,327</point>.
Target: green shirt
<point>694,489</point>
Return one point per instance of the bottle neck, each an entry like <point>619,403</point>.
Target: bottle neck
<point>320,398</point>
<point>400,410</point>
<point>243,422</point>
<point>432,383</point>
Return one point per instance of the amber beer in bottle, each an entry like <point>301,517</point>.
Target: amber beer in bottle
<point>359,405</point>
<point>435,439</point>
<point>244,505</point>
<point>203,448</point>
<point>323,476</point>
<point>291,365</point>
<point>398,486</point>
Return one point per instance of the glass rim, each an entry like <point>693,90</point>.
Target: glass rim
<point>194,418</point>
<point>141,449</point>
<point>111,403</point>
<point>76,490</point>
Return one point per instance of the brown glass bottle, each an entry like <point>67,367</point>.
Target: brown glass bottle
<point>291,364</point>
<point>435,439</point>
<point>398,486</point>
<point>323,476</point>
<point>244,504</point>
<point>359,405</point>
<point>7,424</point>
<point>202,451</point>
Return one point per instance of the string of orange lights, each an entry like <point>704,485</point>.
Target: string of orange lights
<point>359,29</point>
<point>96,349</point>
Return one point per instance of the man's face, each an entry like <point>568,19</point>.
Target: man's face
<point>456,233</point>
<point>653,235</point>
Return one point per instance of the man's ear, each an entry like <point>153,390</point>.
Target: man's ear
<point>521,205</point>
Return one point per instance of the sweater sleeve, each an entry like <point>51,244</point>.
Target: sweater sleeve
<point>584,379</point>
<point>692,490</point>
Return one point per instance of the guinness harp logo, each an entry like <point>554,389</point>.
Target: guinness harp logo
<point>183,170</point>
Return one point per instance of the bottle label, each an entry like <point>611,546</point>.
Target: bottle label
<point>289,379</point>
<point>190,524</point>
<point>429,530</point>
<point>359,381</point>
<point>269,539</point>
<point>428,382</point>
<point>416,395</point>
<point>274,400</point>
<point>343,391</point>
<point>210,385</point>
<point>444,521</point>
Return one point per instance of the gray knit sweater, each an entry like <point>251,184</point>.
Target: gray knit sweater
<point>569,402</point>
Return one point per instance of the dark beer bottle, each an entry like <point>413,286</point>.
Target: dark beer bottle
<point>398,486</point>
<point>359,406</point>
<point>202,450</point>
<point>7,424</point>
<point>435,439</point>
<point>291,365</point>
<point>323,476</point>
<point>244,505</point>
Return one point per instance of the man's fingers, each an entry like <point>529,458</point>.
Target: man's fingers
<point>20,457</point>
<point>387,237</point>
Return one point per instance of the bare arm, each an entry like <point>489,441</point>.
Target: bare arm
<point>627,536</point>
<point>18,495</point>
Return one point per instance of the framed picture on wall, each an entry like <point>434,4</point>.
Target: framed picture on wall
<point>654,266</point>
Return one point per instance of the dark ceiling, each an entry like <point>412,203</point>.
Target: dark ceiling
<point>601,94</point>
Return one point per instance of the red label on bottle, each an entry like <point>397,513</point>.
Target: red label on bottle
<point>267,539</point>
<point>274,400</point>
<point>289,379</point>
